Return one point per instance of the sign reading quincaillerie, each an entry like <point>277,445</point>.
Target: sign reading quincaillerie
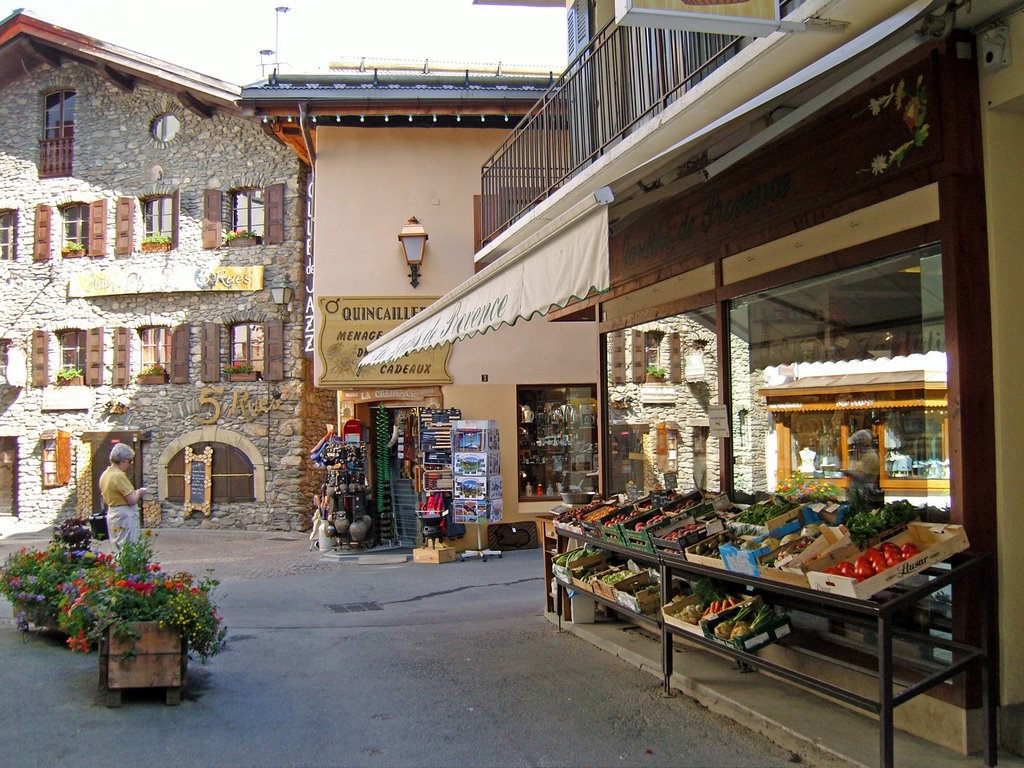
<point>347,324</point>
<point>118,281</point>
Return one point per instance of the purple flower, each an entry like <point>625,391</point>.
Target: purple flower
<point>22,622</point>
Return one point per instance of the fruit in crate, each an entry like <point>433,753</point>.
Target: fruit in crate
<point>648,523</point>
<point>874,561</point>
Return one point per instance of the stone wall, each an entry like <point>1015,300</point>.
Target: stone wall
<point>115,156</point>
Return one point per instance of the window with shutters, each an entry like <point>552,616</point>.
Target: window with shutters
<point>6,235</point>
<point>232,474</point>
<point>158,219</point>
<point>56,147</point>
<point>652,355</point>
<point>56,455</point>
<point>72,351</point>
<point>247,345</point>
<point>156,346</point>
<point>247,211</point>
<point>76,229</point>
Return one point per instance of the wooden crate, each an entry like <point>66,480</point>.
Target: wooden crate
<point>158,658</point>
<point>434,555</point>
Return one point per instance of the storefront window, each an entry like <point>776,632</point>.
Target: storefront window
<point>557,440</point>
<point>657,431</point>
<point>843,379</point>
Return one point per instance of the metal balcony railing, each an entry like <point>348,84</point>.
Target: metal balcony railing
<point>56,157</point>
<point>623,78</point>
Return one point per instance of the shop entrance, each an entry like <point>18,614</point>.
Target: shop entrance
<point>102,443</point>
<point>8,476</point>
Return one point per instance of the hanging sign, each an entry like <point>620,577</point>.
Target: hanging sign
<point>721,17</point>
<point>718,421</point>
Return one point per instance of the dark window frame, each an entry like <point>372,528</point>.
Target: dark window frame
<point>158,209</point>
<point>248,210</point>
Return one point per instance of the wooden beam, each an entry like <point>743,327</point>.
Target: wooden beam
<point>122,80</point>
<point>193,104</point>
<point>50,55</point>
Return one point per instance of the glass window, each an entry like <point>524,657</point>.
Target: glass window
<point>156,346</point>
<point>158,216</point>
<point>247,210</point>
<point>72,350</point>
<point>6,235</point>
<point>59,120</point>
<point>843,379</point>
<point>232,474</point>
<point>165,127</point>
<point>557,440</point>
<point>76,227</point>
<point>5,345</point>
<point>247,345</point>
<point>658,437</point>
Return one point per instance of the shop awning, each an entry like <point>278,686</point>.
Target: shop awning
<point>859,391</point>
<point>567,260</point>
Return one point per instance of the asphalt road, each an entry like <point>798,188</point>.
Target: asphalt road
<point>453,665</point>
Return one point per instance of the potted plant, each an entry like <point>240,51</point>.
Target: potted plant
<point>240,372</point>
<point>655,373</point>
<point>71,249</point>
<point>152,374</point>
<point>69,376</point>
<point>156,243</point>
<point>242,237</point>
<point>145,621</point>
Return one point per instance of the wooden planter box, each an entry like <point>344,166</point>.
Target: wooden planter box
<point>243,242</point>
<point>160,660</point>
<point>243,376</point>
<point>77,381</point>
<point>151,378</point>
<point>155,247</point>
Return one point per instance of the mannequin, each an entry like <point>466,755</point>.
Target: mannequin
<point>807,460</point>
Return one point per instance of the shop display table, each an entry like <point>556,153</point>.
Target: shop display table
<point>877,613</point>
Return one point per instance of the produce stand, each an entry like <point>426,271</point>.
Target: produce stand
<point>878,613</point>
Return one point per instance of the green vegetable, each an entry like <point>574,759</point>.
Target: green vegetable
<point>764,616</point>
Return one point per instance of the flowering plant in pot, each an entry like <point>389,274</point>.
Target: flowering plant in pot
<point>131,589</point>
<point>654,373</point>
<point>153,243</point>
<point>243,236</point>
<point>154,373</point>
<point>240,371</point>
<point>72,249</point>
<point>70,375</point>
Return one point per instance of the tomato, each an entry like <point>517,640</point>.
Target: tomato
<point>863,568</point>
<point>888,547</point>
<point>845,569</point>
<point>834,571</point>
<point>893,557</point>
<point>876,558</point>
<point>909,550</point>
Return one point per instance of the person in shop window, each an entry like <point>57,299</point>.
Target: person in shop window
<point>122,499</point>
<point>863,473</point>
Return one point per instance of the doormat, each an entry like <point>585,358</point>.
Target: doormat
<point>509,536</point>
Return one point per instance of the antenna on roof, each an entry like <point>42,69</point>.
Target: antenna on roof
<point>277,28</point>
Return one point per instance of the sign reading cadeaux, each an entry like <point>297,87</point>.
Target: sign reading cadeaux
<point>723,17</point>
<point>346,325</point>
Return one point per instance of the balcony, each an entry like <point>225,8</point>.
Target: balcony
<point>55,157</point>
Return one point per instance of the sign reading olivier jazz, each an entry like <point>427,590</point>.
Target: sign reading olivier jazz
<point>120,281</point>
<point>348,325</point>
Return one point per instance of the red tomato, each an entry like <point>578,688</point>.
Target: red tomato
<point>888,547</point>
<point>863,568</point>
<point>876,558</point>
<point>833,570</point>
<point>893,557</point>
<point>845,569</point>
<point>909,550</point>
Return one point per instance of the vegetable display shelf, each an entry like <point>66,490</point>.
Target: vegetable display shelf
<point>877,613</point>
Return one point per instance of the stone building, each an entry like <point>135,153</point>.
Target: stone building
<point>132,313</point>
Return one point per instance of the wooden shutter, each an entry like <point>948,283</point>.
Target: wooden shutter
<point>98,228</point>
<point>273,199</point>
<point>40,358</point>
<point>125,226</point>
<point>41,250</point>
<point>639,357</point>
<point>617,356</point>
<point>211,352</point>
<point>675,358</point>
<point>122,357</point>
<point>94,357</point>
<point>213,219</point>
<point>180,354</point>
<point>63,457</point>
<point>175,215</point>
<point>273,363</point>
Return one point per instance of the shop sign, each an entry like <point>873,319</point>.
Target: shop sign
<point>415,394</point>
<point>309,307</point>
<point>241,404</point>
<point>348,324</point>
<point>725,17</point>
<point>718,421</point>
<point>122,281</point>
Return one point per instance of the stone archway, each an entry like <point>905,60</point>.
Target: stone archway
<point>218,435</point>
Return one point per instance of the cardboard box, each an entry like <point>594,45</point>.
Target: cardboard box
<point>937,541</point>
<point>434,555</point>
<point>670,614</point>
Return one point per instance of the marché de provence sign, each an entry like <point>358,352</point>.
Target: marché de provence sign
<point>348,324</point>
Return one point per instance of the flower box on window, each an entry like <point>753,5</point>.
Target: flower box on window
<point>156,244</point>
<point>242,238</point>
<point>70,377</point>
<point>152,374</point>
<point>71,250</point>
<point>240,372</point>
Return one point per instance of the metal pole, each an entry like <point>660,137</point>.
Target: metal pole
<point>885,718</point>
<point>277,45</point>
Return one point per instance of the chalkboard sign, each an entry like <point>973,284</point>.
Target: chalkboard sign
<point>197,483</point>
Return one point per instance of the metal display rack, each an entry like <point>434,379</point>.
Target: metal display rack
<point>878,612</point>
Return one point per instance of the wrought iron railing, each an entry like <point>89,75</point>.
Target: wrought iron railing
<point>623,78</point>
<point>56,157</point>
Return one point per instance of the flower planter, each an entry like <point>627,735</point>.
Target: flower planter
<point>243,376</point>
<point>70,253</point>
<point>155,247</point>
<point>75,381</point>
<point>152,378</point>
<point>158,658</point>
<point>243,242</point>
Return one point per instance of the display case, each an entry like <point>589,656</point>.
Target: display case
<point>557,440</point>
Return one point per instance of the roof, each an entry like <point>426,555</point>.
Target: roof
<point>860,382</point>
<point>28,43</point>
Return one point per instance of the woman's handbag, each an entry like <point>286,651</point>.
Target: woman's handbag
<point>98,524</point>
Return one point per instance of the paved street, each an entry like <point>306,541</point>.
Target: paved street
<point>457,668</point>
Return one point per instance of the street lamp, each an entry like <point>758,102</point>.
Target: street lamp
<point>413,238</point>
